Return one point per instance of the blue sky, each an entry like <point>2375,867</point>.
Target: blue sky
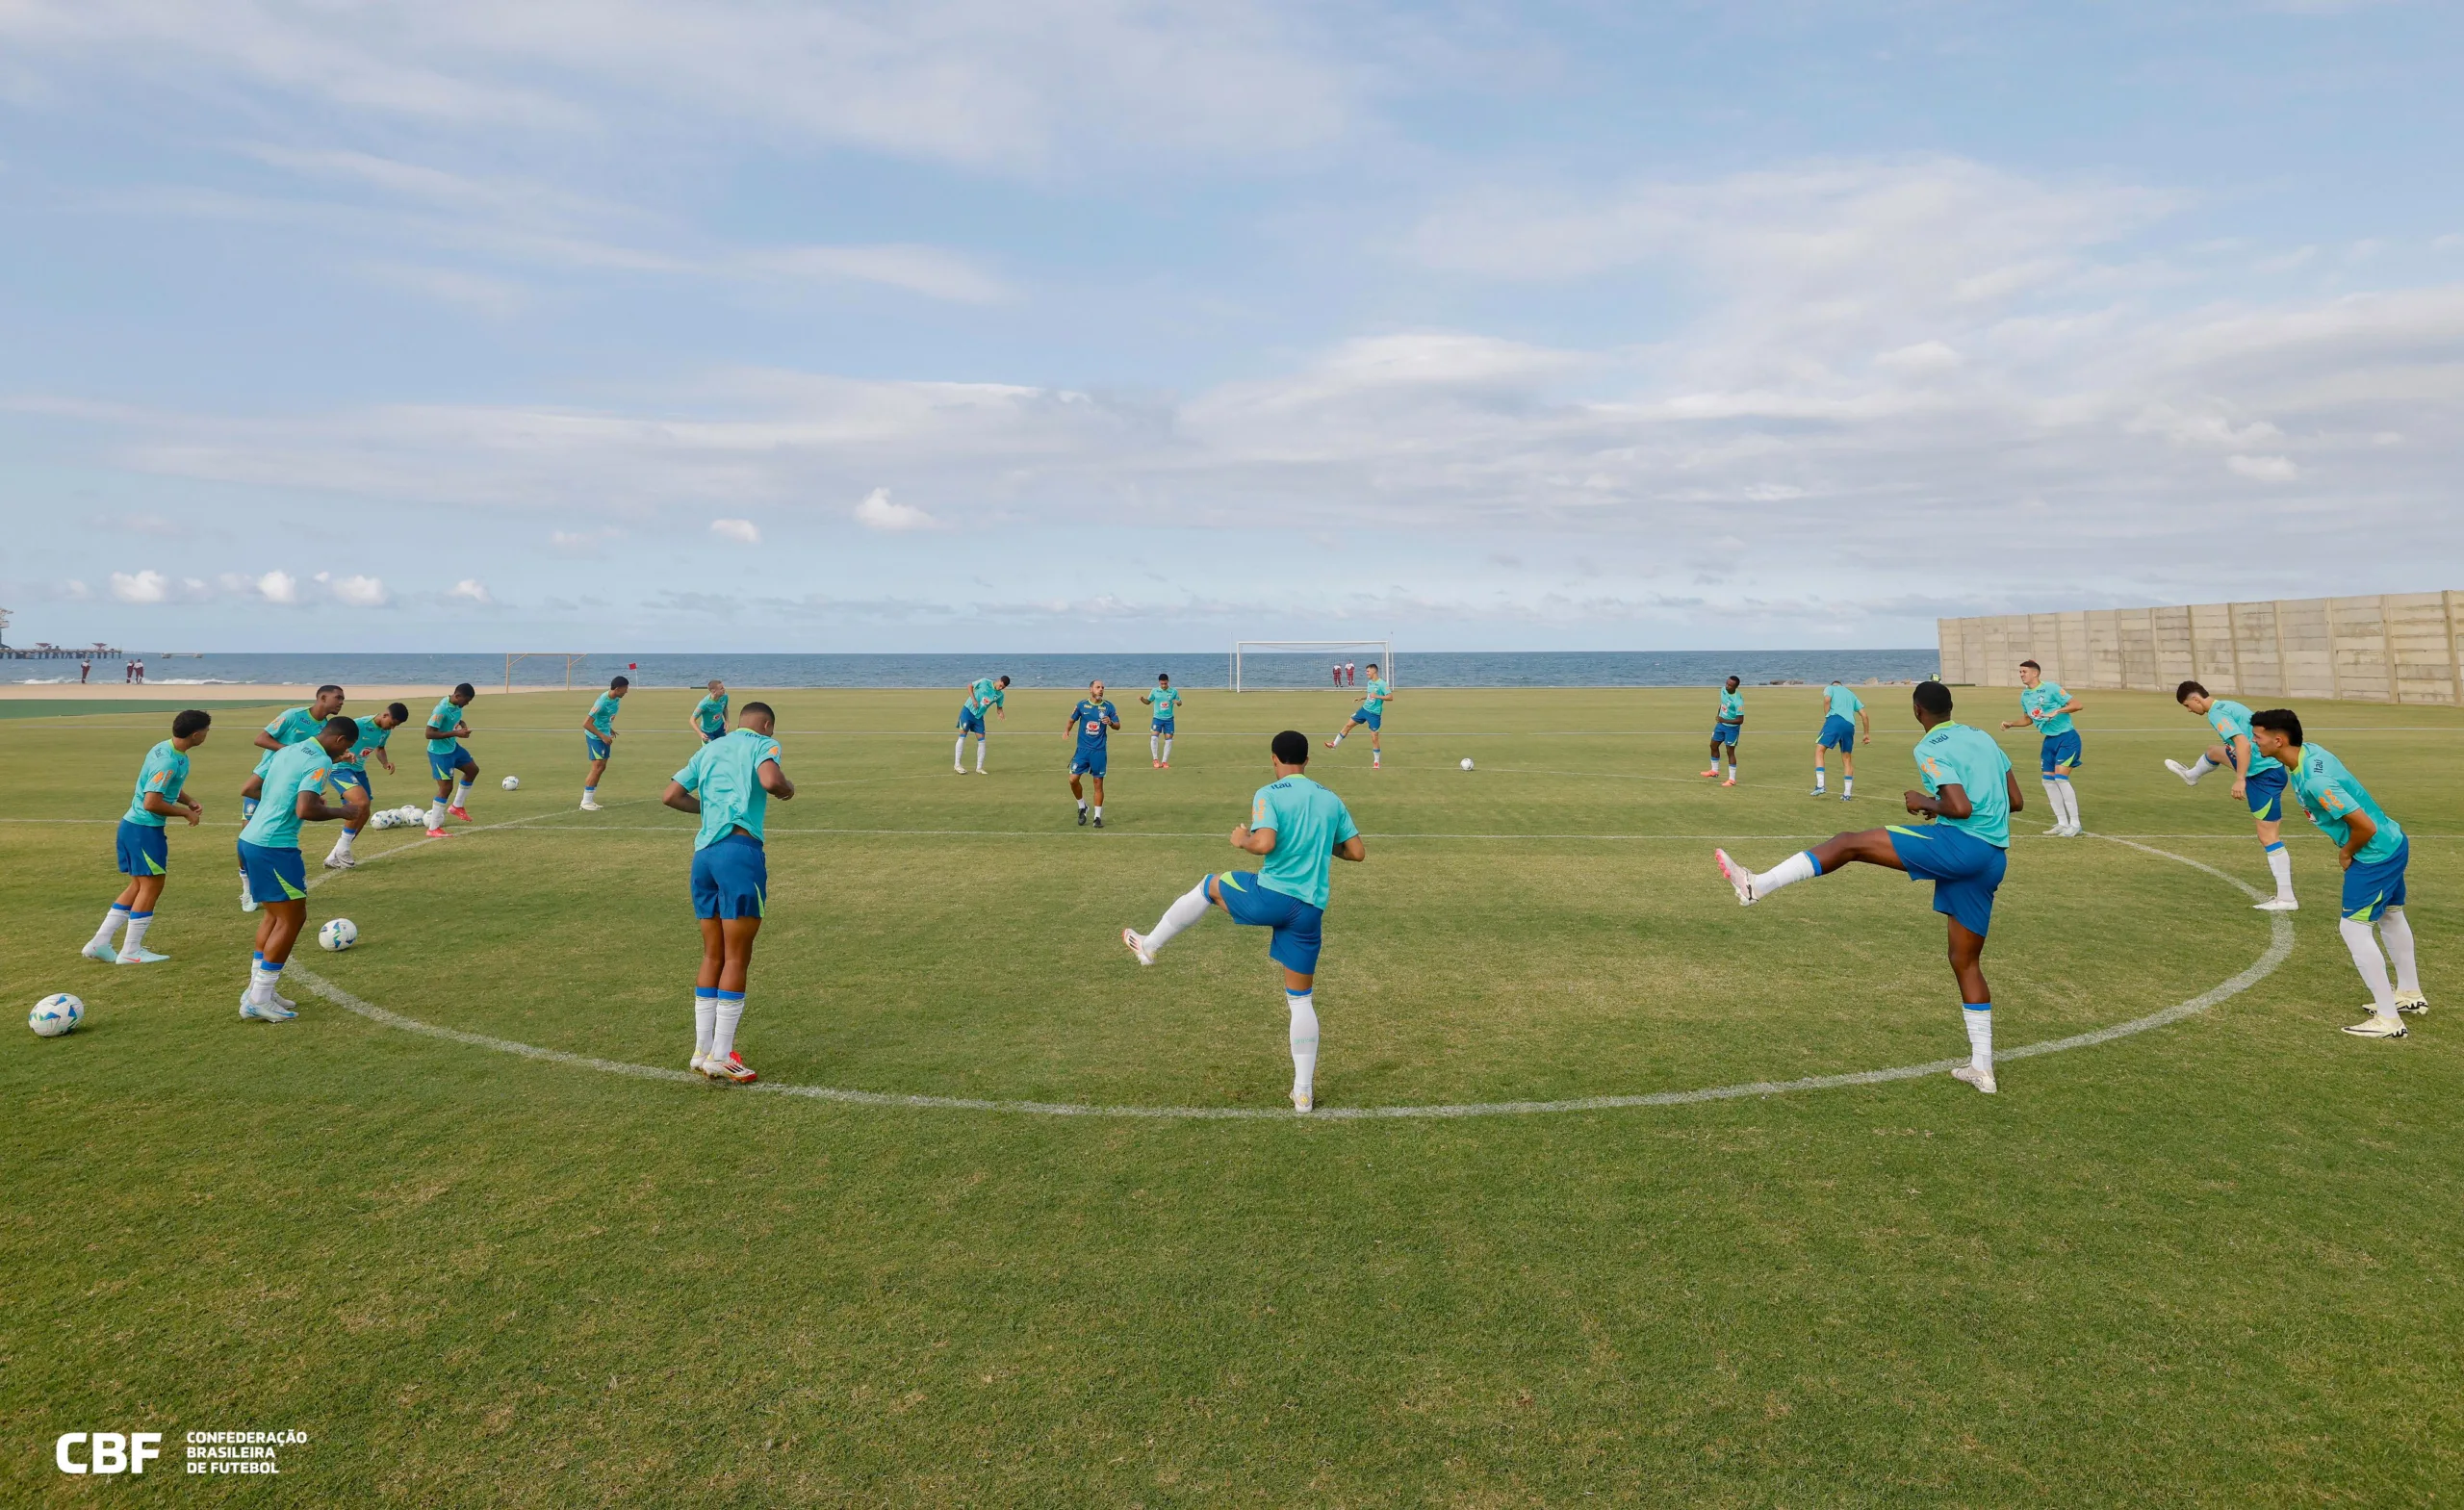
<point>1104,324</point>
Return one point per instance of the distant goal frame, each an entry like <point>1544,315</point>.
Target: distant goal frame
<point>1241,648</point>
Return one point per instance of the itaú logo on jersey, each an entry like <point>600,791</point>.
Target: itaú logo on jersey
<point>106,1451</point>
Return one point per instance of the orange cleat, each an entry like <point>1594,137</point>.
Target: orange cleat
<point>463,814</point>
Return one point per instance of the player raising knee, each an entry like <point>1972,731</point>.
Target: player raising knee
<point>352,770</point>
<point>447,762</point>
<point>1725,728</point>
<point>599,739</point>
<point>1970,793</point>
<point>144,847</point>
<point>1166,699</point>
<point>1300,829</point>
<point>2257,780</point>
<point>270,855</point>
<point>1093,720</point>
<point>2049,708</point>
<point>728,783</point>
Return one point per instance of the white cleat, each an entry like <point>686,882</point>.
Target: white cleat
<point>2182,771</point>
<point>1136,944</point>
<point>341,863</point>
<point>959,769</point>
<point>697,1062</point>
<point>140,955</point>
<point>104,954</point>
<point>2277,904</point>
<point>2413,1002</point>
<point>267,1012</point>
<point>1737,876</point>
<point>1817,792</point>
<point>587,805</point>
<point>1981,1079</point>
<point>2374,1026</point>
<point>1304,1102</point>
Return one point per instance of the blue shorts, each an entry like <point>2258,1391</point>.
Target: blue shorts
<point>970,721</point>
<point>2059,749</point>
<point>1966,871</point>
<point>1162,726</point>
<point>441,767</point>
<point>596,746</point>
<point>708,734</point>
<point>345,777</point>
<point>1373,718</point>
<point>144,850</point>
<point>1089,761</point>
<point>1837,733</point>
<point>2265,793</point>
<point>730,878</point>
<point>1726,734</point>
<point>273,875</point>
<point>2372,889</point>
<point>1299,928</point>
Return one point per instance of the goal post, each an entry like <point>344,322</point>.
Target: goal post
<point>513,658</point>
<point>1382,651</point>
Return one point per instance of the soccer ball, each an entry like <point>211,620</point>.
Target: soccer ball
<point>56,1014</point>
<point>338,935</point>
<point>1467,762</point>
<point>388,819</point>
<point>511,783</point>
<point>411,814</point>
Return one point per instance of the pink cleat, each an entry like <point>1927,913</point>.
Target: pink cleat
<point>439,833</point>
<point>463,814</point>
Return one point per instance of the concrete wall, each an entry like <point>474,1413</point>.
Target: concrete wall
<point>2392,648</point>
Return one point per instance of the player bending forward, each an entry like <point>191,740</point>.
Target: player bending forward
<point>2049,708</point>
<point>270,857</point>
<point>709,719</point>
<point>1843,718</point>
<point>1300,829</point>
<point>730,783</point>
<point>1093,720</point>
<point>1970,793</point>
<point>1725,728</point>
<point>447,762</point>
<point>1166,699</point>
<point>144,848</point>
<point>2257,780</point>
<point>2373,851</point>
<point>1372,712</point>
<point>291,727</point>
<point>352,770</point>
<point>599,739</point>
<point>985,692</point>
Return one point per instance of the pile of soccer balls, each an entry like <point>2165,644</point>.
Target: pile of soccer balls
<point>407,816</point>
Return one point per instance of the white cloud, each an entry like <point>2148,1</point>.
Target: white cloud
<point>930,270</point>
<point>471,590</point>
<point>355,592</point>
<point>278,587</point>
<point>878,512</point>
<point>141,587</point>
<point>740,530</point>
<point>75,591</point>
<point>2264,468</point>
<point>1925,356</point>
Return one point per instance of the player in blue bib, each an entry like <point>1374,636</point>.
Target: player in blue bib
<point>1092,719</point>
<point>1372,712</point>
<point>1970,793</point>
<point>294,793</point>
<point>2257,780</point>
<point>984,692</point>
<point>729,783</point>
<point>2047,708</point>
<point>1301,830</point>
<point>709,719</point>
<point>1726,726</point>
<point>144,849</point>
<point>448,764</point>
<point>2373,851</point>
<point>599,739</point>
<point>351,770</point>
<point>1165,701</point>
<point>1843,718</point>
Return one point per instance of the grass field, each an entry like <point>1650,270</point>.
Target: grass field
<point>2211,1263</point>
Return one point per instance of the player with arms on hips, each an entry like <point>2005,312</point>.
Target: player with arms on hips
<point>448,764</point>
<point>144,847</point>
<point>2258,781</point>
<point>1093,720</point>
<point>2049,708</point>
<point>1372,712</point>
<point>1725,728</point>
<point>1300,829</point>
<point>1166,699</point>
<point>599,737</point>
<point>709,719</point>
<point>1970,793</point>
<point>1843,718</point>
<point>352,770</point>
<point>728,783</point>
<point>2373,851</point>
<point>269,854</point>
<point>985,692</point>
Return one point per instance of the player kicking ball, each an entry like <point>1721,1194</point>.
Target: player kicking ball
<point>1371,712</point>
<point>1165,701</point>
<point>1970,793</point>
<point>448,764</point>
<point>143,844</point>
<point>2048,707</point>
<point>599,739</point>
<point>269,855</point>
<point>2373,851</point>
<point>291,727</point>
<point>985,692</point>
<point>351,770</point>
<point>728,783</point>
<point>1300,829</point>
<point>1725,728</point>
<point>2257,780</point>
<point>1095,718</point>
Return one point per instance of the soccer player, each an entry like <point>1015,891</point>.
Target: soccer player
<point>1844,718</point>
<point>1372,712</point>
<point>599,737</point>
<point>1725,728</point>
<point>269,854</point>
<point>352,770</point>
<point>1970,793</point>
<point>985,692</point>
<point>448,760</point>
<point>2257,780</point>
<point>291,727</point>
<point>709,716</point>
<point>2049,708</point>
<point>1300,829</point>
<point>2373,851</point>
<point>1095,719</point>
<point>144,848</point>
<point>728,783</point>
<point>1166,699</point>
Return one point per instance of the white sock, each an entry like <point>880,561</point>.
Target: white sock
<point>1304,1041</point>
<point>1819,777</point>
<point>263,978</point>
<point>2398,933</point>
<point>706,1016</point>
<point>2280,861</point>
<point>436,813</point>
<point>140,922</point>
<point>2373,965</point>
<point>1168,752</point>
<point>1082,804</point>
<point>1847,787</point>
<point>1186,909</point>
<point>1154,747</point>
<point>590,794</point>
<point>1338,737</point>
<point>2065,801</point>
<point>727,1011</point>
<point>2202,766</point>
<point>1980,1034</point>
<point>343,840</point>
<point>1099,809</point>
<point>461,794</point>
<point>2053,800</point>
<point>112,920</point>
<point>1800,866</point>
<point>979,753</point>
<point>958,756</point>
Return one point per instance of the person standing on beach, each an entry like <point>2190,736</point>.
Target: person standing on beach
<point>85,669</point>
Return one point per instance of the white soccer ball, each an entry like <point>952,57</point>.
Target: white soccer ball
<point>56,1014</point>
<point>338,935</point>
<point>1467,762</point>
<point>411,813</point>
<point>388,819</point>
<point>511,783</point>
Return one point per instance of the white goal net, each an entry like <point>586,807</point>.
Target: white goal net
<point>1260,664</point>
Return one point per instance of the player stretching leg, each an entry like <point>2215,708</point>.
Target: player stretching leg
<point>1725,730</point>
<point>1093,719</point>
<point>293,726</point>
<point>728,783</point>
<point>2257,780</point>
<point>352,770</point>
<point>1166,703</point>
<point>2373,851</point>
<point>986,692</point>
<point>1372,712</point>
<point>1970,792</point>
<point>2049,708</point>
<point>270,853</point>
<point>144,848</point>
<point>447,761</point>
<point>710,717</point>
<point>1300,829</point>
<point>1843,718</point>
<point>599,739</point>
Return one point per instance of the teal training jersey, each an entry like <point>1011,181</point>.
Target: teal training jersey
<point>986,693</point>
<point>448,718</point>
<point>294,725</point>
<point>1731,706</point>
<point>1308,822</point>
<point>2038,703</point>
<point>1956,755</point>
<point>2330,795</point>
<point>1376,701</point>
<point>1842,703</point>
<point>164,775</point>
<point>371,737</point>
<point>2230,719</point>
<point>1165,701</point>
<point>726,774</point>
<point>602,713</point>
<point>711,714</point>
<point>300,768</point>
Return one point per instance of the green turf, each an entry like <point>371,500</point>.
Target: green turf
<point>2211,1263</point>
